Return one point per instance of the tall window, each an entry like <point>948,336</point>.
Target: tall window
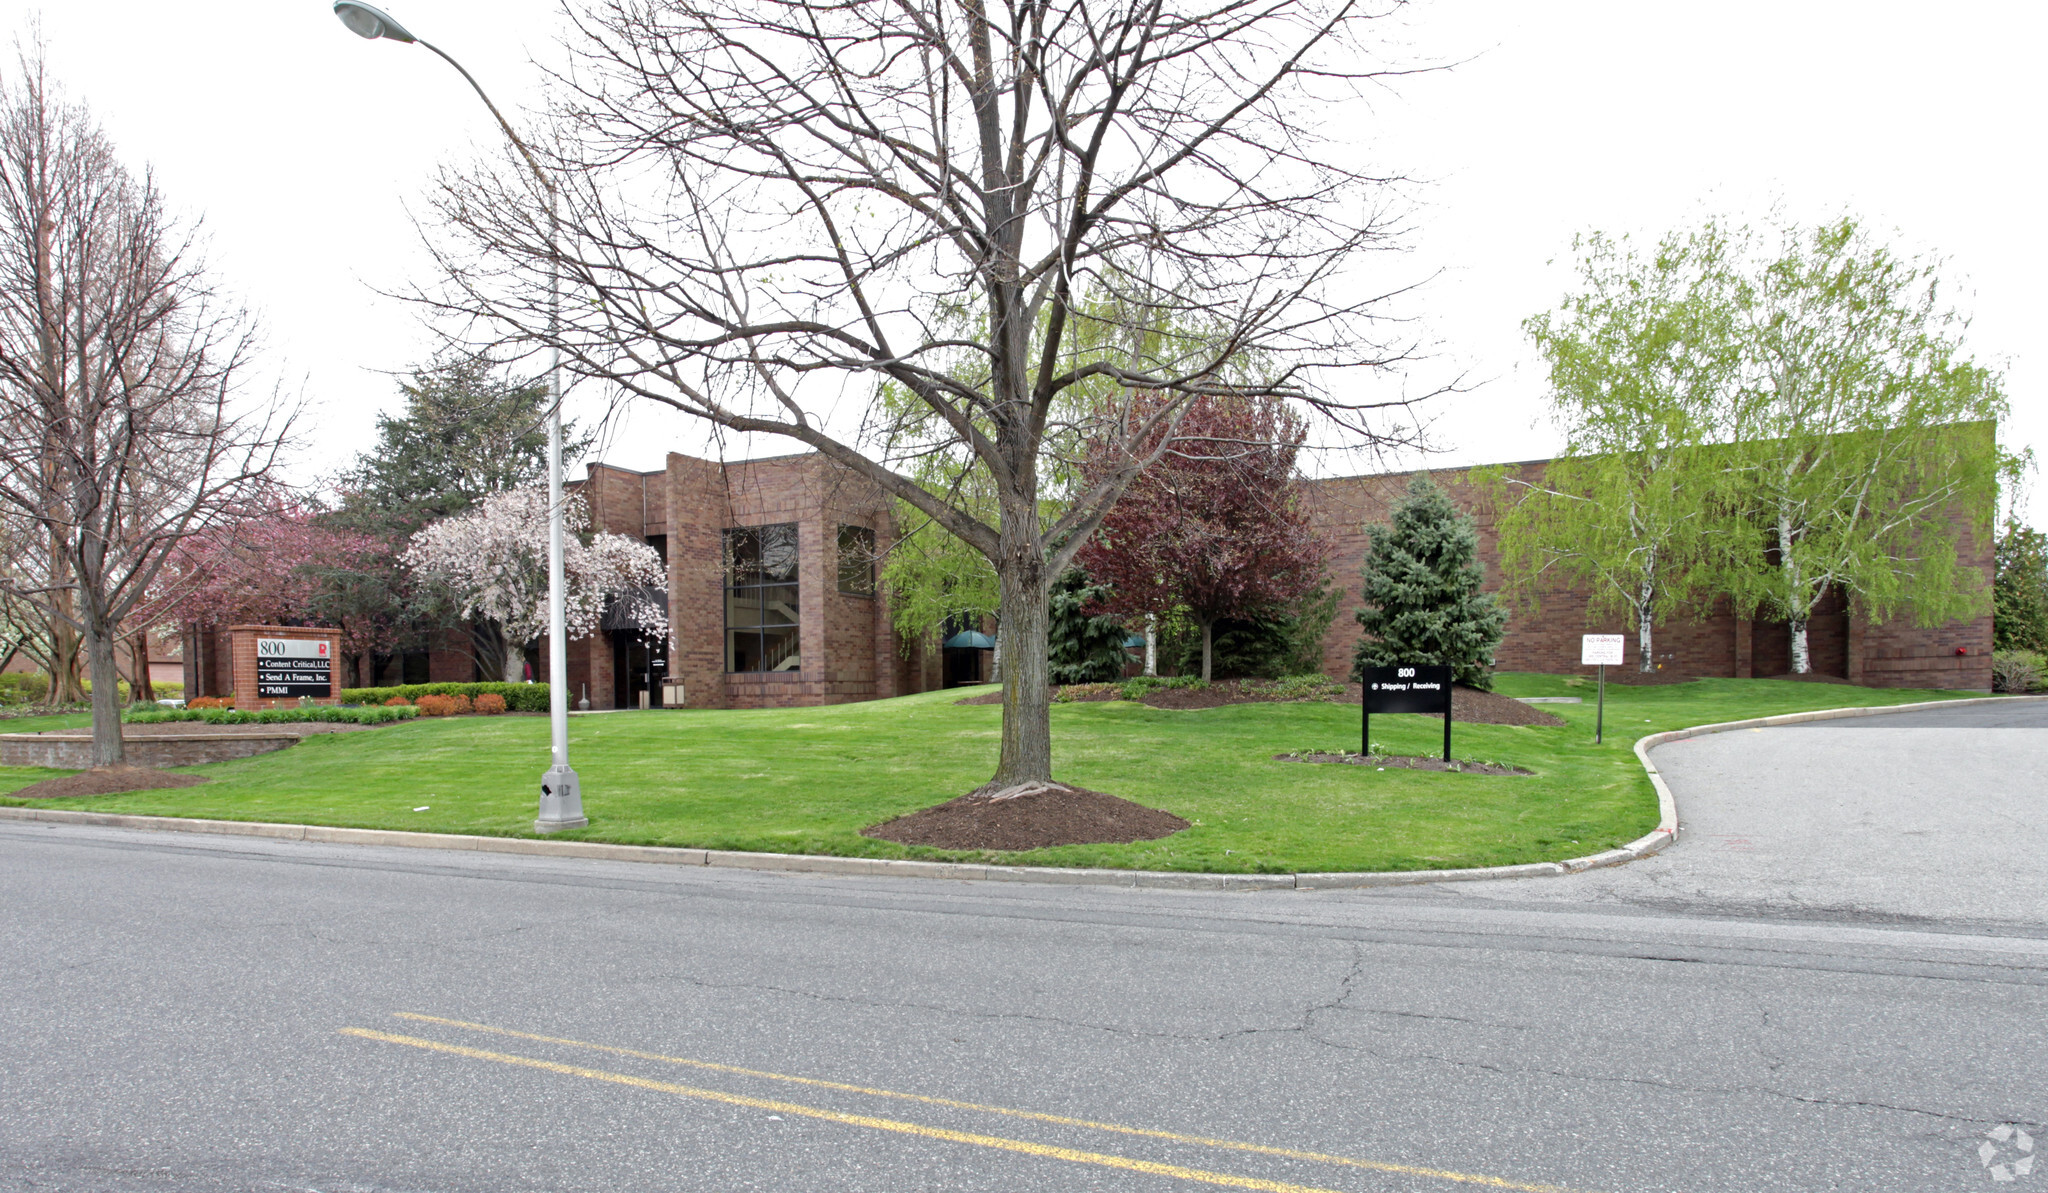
<point>760,598</point>
<point>857,560</point>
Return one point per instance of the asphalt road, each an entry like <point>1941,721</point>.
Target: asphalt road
<point>194,1013</point>
<point>1936,817</point>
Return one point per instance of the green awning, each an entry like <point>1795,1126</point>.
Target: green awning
<point>970,640</point>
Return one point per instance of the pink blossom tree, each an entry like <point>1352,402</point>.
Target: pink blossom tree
<point>283,566</point>
<point>493,560</point>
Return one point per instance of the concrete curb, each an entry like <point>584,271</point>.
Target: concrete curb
<point>1655,840</point>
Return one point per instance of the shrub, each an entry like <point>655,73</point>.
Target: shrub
<point>398,702</point>
<point>2017,671</point>
<point>270,716</point>
<point>1136,687</point>
<point>24,687</point>
<point>435,706</point>
<point>462,704</point>
<point>201,702</point>
<point>490,704</point>
<point>519,697</point>
<point>1068,693</point>
<point>1301,687</point>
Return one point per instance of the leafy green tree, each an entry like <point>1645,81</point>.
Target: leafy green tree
<point>2019,616</point>
<point>1861,434</point>
<point>1642,360</point>
<point>1083,646</point>
<point>1423,604</point>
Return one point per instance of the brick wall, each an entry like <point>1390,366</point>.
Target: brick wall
<point>1545,624</point>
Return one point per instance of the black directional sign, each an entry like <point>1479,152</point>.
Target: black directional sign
<point>1418,689</point>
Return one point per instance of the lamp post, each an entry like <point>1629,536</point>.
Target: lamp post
<point>561,795</point>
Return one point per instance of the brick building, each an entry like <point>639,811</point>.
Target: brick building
<point>1842,641</point>
<point>798,619</point>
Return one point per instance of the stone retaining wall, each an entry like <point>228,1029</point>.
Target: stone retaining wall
<point>68,751</point>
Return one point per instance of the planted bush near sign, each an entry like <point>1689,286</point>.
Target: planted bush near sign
<point>518,697</point>
<point>270,716</point>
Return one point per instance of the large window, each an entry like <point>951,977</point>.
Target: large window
<point>857,560</point>
<point>760,598</point>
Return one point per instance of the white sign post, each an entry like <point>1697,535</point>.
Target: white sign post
<point>1602,651</point>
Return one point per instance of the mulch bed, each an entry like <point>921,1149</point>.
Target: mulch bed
<point>110,780</point>
<point>1410,761</point>
<point>1468,705</point>
<point>1042,816</point>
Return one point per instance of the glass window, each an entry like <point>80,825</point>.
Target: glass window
<point>857,560</point>
<point>761,598</point>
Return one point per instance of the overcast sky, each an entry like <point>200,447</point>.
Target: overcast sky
<point>306,149</point>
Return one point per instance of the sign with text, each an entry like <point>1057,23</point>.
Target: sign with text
<point>1407,689</point>
<point>290,667</point>
<point>1601,650</point>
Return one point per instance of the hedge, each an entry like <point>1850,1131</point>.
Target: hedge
<point>272,716</point>
<point>519,697</point>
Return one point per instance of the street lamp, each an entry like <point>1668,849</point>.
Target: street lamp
<point>561,796</point>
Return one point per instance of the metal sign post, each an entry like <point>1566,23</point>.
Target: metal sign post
<point>1602,651</point>
<point>1409,690</point>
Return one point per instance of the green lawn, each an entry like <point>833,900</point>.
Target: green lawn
<point>807,780</point>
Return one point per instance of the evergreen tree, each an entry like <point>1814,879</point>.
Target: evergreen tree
<point>2019,618</point>
<point>467,432</point>
<point>1082,647</point>
<point>1422,600</point>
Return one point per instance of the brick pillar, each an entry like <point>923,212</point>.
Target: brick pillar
<point>1745,649</point>
<point>245,639</point>
<point>697,519</point>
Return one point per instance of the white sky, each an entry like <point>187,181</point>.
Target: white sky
<point>303,148</point>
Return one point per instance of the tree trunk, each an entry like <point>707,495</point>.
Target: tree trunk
<point>1151,644</point>
<point>1644,646</point>
<point>106,698</point>
<point>1026,635</point>
<point>1208,644</point>
<point>995,662</point>
<point>1798,600</point>
<point>143,690</point>
<point>65,687</point>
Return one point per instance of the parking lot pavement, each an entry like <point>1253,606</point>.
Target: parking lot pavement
<point>1932,816</point>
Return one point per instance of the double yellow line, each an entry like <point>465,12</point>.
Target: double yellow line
<point>921,1130</point>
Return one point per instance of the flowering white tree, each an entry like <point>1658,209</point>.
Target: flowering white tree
<point>494,560</point>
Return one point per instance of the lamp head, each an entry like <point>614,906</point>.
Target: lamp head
<point>367,22</point>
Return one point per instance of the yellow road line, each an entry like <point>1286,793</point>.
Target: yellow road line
<point>857,1120</point>
<point>1442,1174</point>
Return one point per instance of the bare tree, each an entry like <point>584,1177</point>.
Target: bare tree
<point>122,429</point>
<point>771,212</point>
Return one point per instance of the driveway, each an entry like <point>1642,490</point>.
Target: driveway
<point>1938,815</point>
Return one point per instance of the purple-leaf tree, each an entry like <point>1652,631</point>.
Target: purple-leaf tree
<point>493,559</point>
<point>1216,526</point>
